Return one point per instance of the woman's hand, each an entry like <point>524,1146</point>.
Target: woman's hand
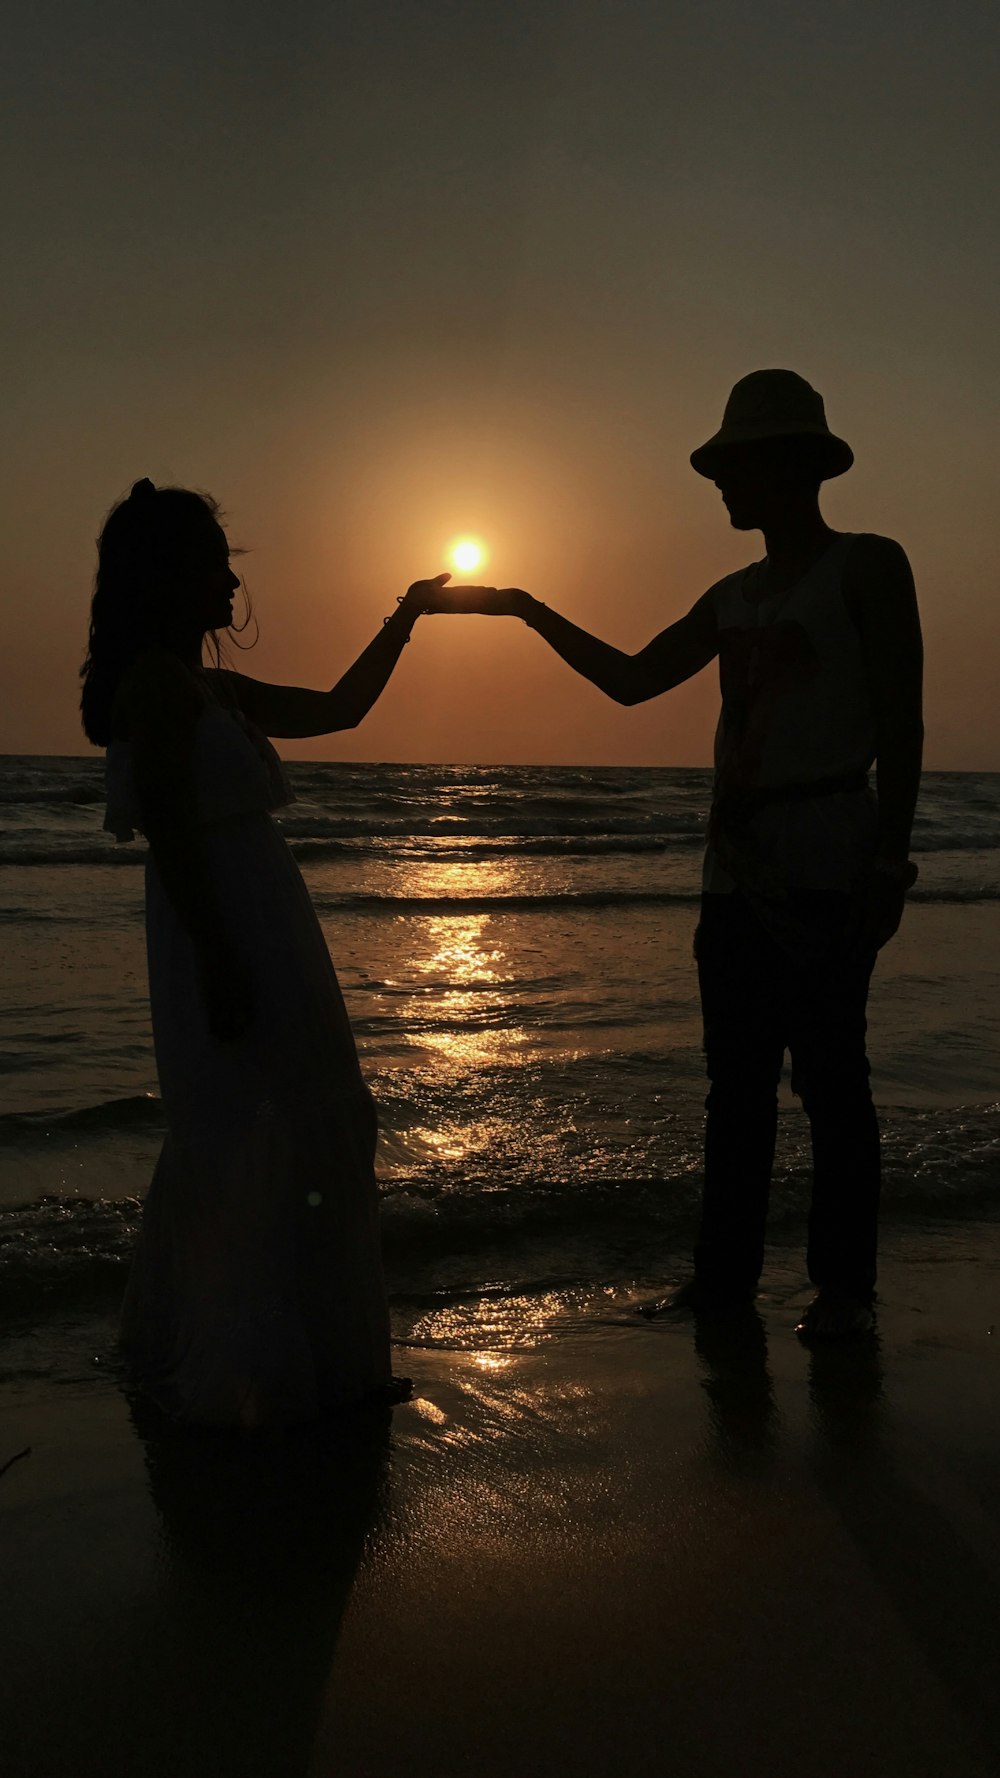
<point>481,601</point>
<point>420,596</point>
<point>227,992</point>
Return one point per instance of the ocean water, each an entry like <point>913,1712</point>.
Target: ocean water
<point>514,944</point>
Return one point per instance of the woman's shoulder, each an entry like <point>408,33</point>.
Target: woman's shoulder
<point>223,686</point>
<point>155,686</point>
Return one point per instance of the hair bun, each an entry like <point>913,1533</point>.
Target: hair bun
<point>141,490</point>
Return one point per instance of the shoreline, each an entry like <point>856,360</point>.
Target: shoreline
<point>701,1547</point>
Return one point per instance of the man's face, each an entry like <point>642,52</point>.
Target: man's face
<point>760,481</point>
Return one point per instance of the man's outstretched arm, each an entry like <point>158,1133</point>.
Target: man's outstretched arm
<point>677,653</point>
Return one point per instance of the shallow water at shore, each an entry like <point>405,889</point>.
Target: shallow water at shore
<point>515,949</point>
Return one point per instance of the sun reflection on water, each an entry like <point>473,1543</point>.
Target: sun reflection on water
<point>466,1018</point>
<point>457,1005</point>
<point>459,950</point>
<point>493,1328</point>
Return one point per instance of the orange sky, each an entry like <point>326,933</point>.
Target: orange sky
<point>416,270</point>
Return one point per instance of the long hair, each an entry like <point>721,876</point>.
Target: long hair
<point>144,546</point>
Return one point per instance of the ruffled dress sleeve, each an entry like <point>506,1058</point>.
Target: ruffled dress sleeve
<point>236,770</point>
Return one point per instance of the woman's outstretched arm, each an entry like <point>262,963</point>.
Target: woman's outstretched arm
<point>676,654</point>
<point>289,712</point>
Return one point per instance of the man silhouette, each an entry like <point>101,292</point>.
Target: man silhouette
<point>806,868</point>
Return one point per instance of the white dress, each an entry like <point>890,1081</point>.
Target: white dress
<point>256,1295</point>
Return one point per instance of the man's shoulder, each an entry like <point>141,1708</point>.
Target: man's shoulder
<point>871,554</point>
<point>878,581</point>
<point>731,585</point>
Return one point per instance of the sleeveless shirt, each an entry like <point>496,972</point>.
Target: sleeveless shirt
<point>796,711</point>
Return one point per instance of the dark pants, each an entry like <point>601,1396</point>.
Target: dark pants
<point>760,997</point>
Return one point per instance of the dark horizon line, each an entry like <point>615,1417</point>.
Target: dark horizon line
<point>515,765</point>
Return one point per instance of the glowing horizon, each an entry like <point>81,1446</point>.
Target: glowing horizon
<point>377,332</point>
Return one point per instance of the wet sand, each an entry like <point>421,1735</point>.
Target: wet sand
<point>689,1549</point>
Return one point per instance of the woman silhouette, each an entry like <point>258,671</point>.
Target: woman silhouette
<point>256,1294</point>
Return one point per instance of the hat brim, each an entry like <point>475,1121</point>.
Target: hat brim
<point>835,456</point>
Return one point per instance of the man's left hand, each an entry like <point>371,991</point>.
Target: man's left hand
<point>876,914</point>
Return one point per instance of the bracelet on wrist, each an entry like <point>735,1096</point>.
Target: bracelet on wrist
<point>410,616</point>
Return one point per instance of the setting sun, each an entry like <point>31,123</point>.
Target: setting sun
<point>466,554</point>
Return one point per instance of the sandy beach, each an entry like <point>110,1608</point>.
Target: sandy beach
<point>699,1550</point>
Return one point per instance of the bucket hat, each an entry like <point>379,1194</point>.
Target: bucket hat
<point>773,404</point>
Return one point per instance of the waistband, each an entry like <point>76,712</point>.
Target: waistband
<point>759,795</point>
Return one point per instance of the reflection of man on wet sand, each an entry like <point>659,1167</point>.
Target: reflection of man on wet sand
<point>806,869</point>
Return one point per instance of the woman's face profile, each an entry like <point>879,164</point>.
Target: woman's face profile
<point>206,591</point>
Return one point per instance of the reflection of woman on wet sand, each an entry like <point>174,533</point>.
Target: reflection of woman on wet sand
<point>256,1296</point>
<point>260,1544</point>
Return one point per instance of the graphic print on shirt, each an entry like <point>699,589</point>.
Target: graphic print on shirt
<point>757,669</point>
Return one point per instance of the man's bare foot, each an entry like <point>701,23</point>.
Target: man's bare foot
<point>833,1316</point>
<point>701,1298</point>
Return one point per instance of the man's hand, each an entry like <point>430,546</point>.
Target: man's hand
<point>876,914</point>
<point>480,601</point>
